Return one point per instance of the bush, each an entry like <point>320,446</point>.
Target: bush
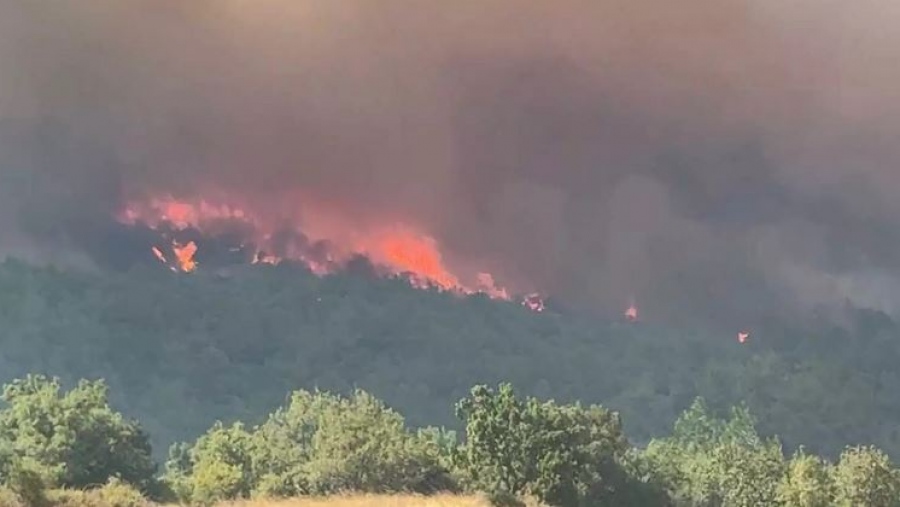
<point>319,444</point>
<point>807,483</point>
<point>117,493</point>
<point>322,444</point>
<point>27,480</point>
<point>9,498</point>
<point>709,461</point>
<point>220,465</point>
<point>74,439</point>
<point>564,455</point>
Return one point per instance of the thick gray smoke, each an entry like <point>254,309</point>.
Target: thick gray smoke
<point>726,157</point>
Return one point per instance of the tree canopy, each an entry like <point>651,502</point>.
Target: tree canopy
<point>71,439</point>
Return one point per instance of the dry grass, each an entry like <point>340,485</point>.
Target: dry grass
<point>370,501</point>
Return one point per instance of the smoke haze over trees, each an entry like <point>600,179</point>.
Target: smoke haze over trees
<point>725,169</point>
<point>179,351</point>
<point>718,161</point>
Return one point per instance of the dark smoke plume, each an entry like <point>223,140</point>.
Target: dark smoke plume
<point>718,158</point>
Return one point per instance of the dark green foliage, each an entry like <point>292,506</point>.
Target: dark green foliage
<point>709,461</point>
<point>26,479</point>
<point>565,455</point>
<point>221,466</point>
<point>180,351</point>
<point>70,440</point>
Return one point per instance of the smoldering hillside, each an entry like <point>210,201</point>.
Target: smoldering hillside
<point>723,159</point>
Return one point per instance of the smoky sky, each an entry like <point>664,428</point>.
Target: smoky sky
<point>711,157</point>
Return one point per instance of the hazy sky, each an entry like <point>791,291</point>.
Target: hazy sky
<point>705,156</point>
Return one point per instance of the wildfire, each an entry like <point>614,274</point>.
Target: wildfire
<point>159,255</point>
<point>631,313</point>
<point>322,240</point>
<point>534,302</point>
<point>185,256</point>
<point>262,258</point>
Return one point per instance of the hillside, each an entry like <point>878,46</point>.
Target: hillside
<point>181,351</point>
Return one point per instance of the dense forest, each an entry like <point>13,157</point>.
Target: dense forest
<point>181,350</point>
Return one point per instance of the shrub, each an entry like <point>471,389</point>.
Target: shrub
<point>74,439</point>
<point>562,454</point>
<point>807,483</point>
<point>322,444</point>
<point>221,465</point>
<point>318,444</point>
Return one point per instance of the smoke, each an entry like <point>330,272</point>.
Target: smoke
<point>719,158</point>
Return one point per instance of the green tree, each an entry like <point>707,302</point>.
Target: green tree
<point>178,469</point>
<point>565,455</point>
<point>807,483</point>
<point>220,466</point>
<point>748,476</point>
<point>74,439</point>
<point>865,477</point>
<point>322,443</point>
<point>709,461</point>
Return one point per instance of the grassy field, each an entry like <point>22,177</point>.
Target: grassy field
<point>123,498</point>
<point>371,501</point>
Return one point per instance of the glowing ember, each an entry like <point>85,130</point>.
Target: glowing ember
<point>631,313</point>
<point>159,255</point>
<point>742,336</point>
<point>262,258</point>
<point>185,256</point>
<point>534,302</point>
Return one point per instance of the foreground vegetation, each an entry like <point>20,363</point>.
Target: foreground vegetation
<point>374,501</point>
<point>72,449</point>
<point>119,497</point>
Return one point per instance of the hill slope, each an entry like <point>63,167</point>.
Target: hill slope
<point>180,351</point>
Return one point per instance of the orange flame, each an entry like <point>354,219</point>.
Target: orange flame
<point>185,256</point>
<point>398,248</point>
<point>487,285</point>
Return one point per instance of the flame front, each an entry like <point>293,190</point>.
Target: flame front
<point>398,248</point>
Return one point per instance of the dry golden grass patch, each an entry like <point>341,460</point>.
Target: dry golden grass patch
<point>370,501</point>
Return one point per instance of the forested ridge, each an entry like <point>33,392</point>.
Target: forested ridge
<point>181,351</point>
